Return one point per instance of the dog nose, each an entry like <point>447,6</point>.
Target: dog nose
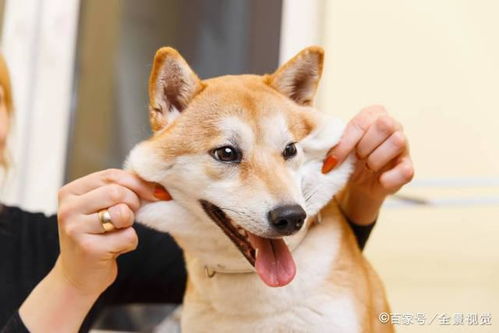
<point>287,219</point>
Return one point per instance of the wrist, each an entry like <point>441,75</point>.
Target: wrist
<point>87,277</point>
<point>68,285</point>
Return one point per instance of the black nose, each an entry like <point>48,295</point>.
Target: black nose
<point>287,219</point>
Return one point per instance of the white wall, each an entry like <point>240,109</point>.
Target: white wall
<point>39,42</point>
<point>301,26</point>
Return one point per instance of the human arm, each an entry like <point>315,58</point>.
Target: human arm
<point>86,265</point>
<point>384,164</point>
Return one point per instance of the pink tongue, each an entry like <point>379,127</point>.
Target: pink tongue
<point>274,263</point>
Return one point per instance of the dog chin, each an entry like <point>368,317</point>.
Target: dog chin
<point>200,238</point>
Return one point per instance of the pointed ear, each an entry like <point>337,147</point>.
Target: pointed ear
<point>299,77</point>
<point>172,85</point>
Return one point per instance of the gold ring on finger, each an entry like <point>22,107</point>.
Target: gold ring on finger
<point>105,220</point>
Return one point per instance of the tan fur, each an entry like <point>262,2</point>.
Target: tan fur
<point>168,67</point>
<point>299,68</point>
<point>248,97</point>
<point>353,272</point>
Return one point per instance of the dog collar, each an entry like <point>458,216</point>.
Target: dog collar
<point>211,272</point>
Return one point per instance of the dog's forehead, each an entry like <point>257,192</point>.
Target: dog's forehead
<point>246,105</point>
<point>269,130</point>
<point>242,106</point>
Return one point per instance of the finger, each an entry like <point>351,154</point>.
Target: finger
<point>354,131</point>
<point>398,176</point>
<point>124,178</point>
<point>377,133</point>
<point>112,243</point>
<point>351,136</point>
<point>121,217</point>
<point>121,241</point>
<point>386,152</point>
<point>104,197</point>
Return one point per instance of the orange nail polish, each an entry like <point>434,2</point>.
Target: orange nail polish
<point>329,164</point>
<point>161,193</point>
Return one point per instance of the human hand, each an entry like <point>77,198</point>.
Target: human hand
<point>384,164</point>
<point>87,263</point>
<point>88,253</point>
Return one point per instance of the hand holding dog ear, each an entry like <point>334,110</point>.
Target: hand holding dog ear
<point>95,219</point>
<point>95,215</point>
<point>384,164</point>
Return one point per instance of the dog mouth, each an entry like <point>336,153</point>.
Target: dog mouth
<point>238,235</point>
<point>270,257</point>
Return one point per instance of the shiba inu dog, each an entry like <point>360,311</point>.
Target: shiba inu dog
<point>266,247</point>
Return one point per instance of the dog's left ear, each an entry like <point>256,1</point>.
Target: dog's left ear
<point>299,77</point>
<point>172,85</point>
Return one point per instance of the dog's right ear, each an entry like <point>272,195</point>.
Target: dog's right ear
<point>172,85</point>
<point>299,77</point>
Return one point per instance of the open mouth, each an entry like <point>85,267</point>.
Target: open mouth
<point>237,235</point>
<point>270,257</point>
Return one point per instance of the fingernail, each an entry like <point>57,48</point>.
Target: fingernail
<point>161,193</point>
<point>329,164</point>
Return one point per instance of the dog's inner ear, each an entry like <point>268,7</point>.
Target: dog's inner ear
<point>299,77</point>
<point>172,85</point>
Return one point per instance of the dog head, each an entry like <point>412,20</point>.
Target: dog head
<point>241,157</point>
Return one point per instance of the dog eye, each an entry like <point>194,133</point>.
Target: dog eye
<point>289,151</point>
<point>227,154</point>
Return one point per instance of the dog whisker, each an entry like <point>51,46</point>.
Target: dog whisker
<point>311,195</point>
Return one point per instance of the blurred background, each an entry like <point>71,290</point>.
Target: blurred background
<point>80,70</point>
